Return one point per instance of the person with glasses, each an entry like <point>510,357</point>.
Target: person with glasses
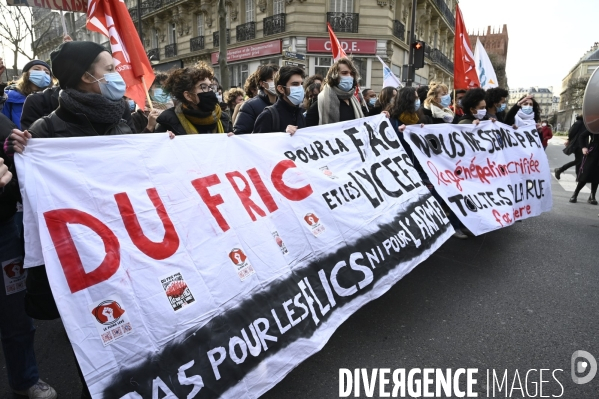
<point>285,115</point>
<point>197,110</point>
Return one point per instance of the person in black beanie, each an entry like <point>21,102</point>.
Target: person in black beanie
<point>91,103</point>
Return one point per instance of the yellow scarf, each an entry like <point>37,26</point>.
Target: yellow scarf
<point>188,122</point>
<point>408,119</point>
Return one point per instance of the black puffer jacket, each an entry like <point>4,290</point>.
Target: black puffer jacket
<point>248,113</point>
<point>9,194</point>
<point>286,114</point>
<point>39,104</point>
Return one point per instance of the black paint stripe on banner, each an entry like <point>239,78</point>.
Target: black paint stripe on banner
<point>162,372</point>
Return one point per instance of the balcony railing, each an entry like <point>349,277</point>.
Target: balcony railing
<point>133,13</point>
<point>446,12</point>
<point>170,50</point>
<point>274,24</point>
<point>441,59</point>
<point>48,36</point>
<point>154,54</point>
<point>196,43</point>
<point>246,31</point>
<point>216,38</point>
<point>399,30</point>
<point>149,6</point>
<point>343,21</point>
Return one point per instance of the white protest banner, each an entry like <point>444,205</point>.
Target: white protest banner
<point>490,175</point>
<point>210,266</point>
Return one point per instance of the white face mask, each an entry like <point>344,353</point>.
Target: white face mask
<point>481,113</point>
<point>543,124</point>
<point>271,88</point>
<point>219,97</point>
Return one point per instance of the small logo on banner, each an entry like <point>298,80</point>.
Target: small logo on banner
<point>327,172</point>
<point>177,291</point>
<point>280,242</point>
<point>242,264</point>
<point>314,224</point>
<point>112,323</point>
<point>14,275</point>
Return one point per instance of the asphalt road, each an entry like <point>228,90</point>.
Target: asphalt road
<point>520,298</point>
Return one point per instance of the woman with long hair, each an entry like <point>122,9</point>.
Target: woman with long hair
<point>385,101</point>
<point>437,103</point>
<point>525,112</point>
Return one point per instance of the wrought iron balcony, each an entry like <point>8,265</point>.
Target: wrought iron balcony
<point>196,43</point>
<point>441,59</point>
<point>343,21</point>
<point>154,54</point>
<point>427,51</point>
<point>274,24</point>
<point>170,50</point>
<point>133,13</point>
<point>216,38</point>
<point>399,30</point>
<point>446,12</point>
<point>246,31</point>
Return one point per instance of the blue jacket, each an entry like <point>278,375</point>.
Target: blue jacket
<point>248,113</point>
<point>13,107</point>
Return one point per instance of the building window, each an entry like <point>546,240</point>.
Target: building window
<point>278,7</point>
<point>239,73</point>
<point>172,33</point>
<point>200,22</point>
<point>342,6</point>
<point>249,11</point>
<point>360,64</point>
<point>155,42</point>
<point>322,65</point>
<point>591,69</point>
<point>228,16</point>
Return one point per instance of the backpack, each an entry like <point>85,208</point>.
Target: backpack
<point>275,116</point>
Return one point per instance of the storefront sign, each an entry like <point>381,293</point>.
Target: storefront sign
<point>253,51</point>
<point>350,46</point>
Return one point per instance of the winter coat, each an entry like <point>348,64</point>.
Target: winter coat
<point>9,194</point>
<point>168,120</point>
<point>287,114</point>
<point>466,119</point>
<point>346,113</point>
<point>13,107</point>
<point>546,135</point>
<point>589,168</point>
<point>574,133</point>
<point>248,113</point>
<point>140,120</point>
<point>39,104</point>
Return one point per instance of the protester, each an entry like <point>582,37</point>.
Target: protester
<point>198,110</point>
<point>250,87</point>
<point>406,107</point>
<point>573,143</point>
<point>589,167</point>
<point>545,134</point>
<point>144,120</point>
<point>267,95</point>
<point>457,104</point>
<point>525,112</point>
<point>369,96</point>
<point>384,102</point>
<point>318,79</point>
<point>157,94</point>
<point>422,93</point>
<point>285,115</point>
<point>495,100</point>
<point>310,95</point>
<point>233,98</point>
<point>37,75</point>
<point>437,102</point>
<point>336,101</point>
<point>474,107</point>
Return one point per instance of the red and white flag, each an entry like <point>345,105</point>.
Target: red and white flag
<point>111,18</point>
<point>464,70</point>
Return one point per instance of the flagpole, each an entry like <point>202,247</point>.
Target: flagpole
<point>143,80</point>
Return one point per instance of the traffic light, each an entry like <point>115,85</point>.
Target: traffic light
<point>418,48</point>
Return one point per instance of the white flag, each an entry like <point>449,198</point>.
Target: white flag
<point>389,78</point>
<point>484,68</point>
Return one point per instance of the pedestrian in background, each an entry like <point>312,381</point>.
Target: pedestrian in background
<point>545,134</point>
<point>589,167</point>
<point>573,145</point>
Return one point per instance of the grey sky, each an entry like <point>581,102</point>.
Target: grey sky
<point>547,37</point>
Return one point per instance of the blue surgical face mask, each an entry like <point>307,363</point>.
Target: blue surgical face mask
<point>114,88</point>
<point>417,105</point>
<point>39,78</point>
<point>346,83</point>
<point>296,95</point>
<point>160,96</point>
<point>502,107</point>
<point>527,109</point>
<point>372,101</point>
<point>446,100</point>
<point>131,105</point>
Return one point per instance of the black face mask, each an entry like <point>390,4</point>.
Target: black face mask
<point>207,102</point>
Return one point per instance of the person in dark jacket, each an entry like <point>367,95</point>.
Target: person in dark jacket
<point>589,167</point>
<point>525,112</point>
<point>267,95</point>
<point>474,106</point>
<point>457,104</point>
<point>285,115</point>
<point>336,102</point>
<point>573,134</point>
<point>91,103</point>
<point>495,100</point>
<point>39,104</point>
<point>384,102</point>
<point>198,110</point>
<point>369,96</point>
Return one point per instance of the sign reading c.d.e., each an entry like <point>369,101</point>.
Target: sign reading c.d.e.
<point>350,46</point>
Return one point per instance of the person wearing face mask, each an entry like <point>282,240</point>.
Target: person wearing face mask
<point>198,110</point>
<point>437,102</point>
<point>474,106</point>
<point>456,105</point>
<point>495,99</point>
<point>37,75</point>
<point>384,102</point>
<point>336,101</point>
<point>311,93</point>
<point>369,96</point>
<point>525,112</point>
<point>546,134</point>
<point>285,115</point>
<point>267,95</point>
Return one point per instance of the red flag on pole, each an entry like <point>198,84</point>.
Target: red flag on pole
<point>111,18</point>
<point>464,70</point>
